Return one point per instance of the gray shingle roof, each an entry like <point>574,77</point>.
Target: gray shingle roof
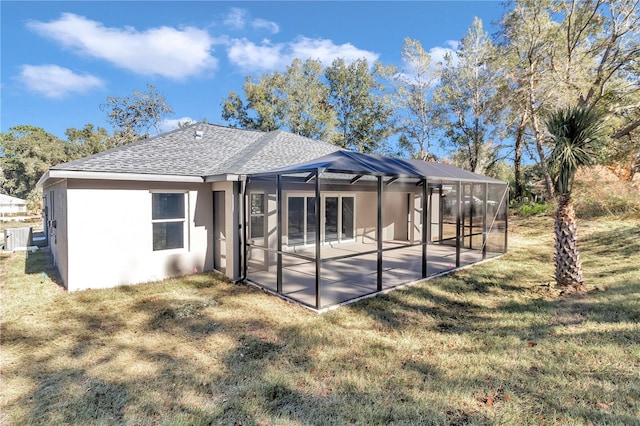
<point>221,150</point>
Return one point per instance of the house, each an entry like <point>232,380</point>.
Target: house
<point>11,205</point>
<point>298,217</point>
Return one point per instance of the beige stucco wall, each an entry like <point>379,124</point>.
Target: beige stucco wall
<point>57,235</point>
<point>398,222</point>
<point>110,234</point>
<point>228,249</point>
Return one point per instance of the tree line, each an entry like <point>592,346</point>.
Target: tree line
<point>27,152</point>
<point>484,105</point>
<point>483,108</point>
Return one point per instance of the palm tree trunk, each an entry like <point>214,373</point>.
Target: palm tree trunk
<point>567,257</point>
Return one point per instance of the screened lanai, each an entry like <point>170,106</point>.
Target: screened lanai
<point>349,225</point>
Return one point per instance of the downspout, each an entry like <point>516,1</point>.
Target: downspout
<point>425,227</point>
<point>243,223</point>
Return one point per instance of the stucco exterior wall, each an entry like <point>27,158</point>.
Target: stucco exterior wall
<point>228,236</point>
<point>56,226</point>
<point>397,221</point>
<point>399,218</point>
<point>111,238</point>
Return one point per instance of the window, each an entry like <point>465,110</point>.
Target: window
<point>257,216</point>
<point>168,219</point>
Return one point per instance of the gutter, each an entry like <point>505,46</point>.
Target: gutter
<point>76,174</point>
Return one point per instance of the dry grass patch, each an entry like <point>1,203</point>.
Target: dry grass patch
<point>493,344</point>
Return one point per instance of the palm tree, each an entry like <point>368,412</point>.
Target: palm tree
<point>576,135</point>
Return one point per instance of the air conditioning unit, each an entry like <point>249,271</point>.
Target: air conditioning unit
<point>17,238</point>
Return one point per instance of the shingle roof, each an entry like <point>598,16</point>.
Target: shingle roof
<point>220,150</point>
<point>224,150</point>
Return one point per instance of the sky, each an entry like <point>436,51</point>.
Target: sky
<point>61,60</point>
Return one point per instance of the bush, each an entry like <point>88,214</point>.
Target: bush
<point>607,205</point>
<point>599,192</point>
<point>533,209</point>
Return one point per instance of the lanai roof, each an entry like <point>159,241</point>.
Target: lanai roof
<point>353,163</point>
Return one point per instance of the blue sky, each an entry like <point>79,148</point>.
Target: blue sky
<point>60,60</point>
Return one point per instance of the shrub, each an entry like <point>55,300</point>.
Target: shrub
<point>607,205</point>
<point>533,209</point>
<point>599,192</point>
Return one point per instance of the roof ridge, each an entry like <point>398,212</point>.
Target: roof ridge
<point>240,129</point>
<point>254,147</point>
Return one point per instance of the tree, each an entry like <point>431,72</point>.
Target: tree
<point>28,152</point>
<point>92,140</point>
<point>133,116</point>
<point>236,112</point>
<point>308,109</point>
<point>419,117</point>
<point>264,99</point>
<point>601,67</point>
<point>531,42</point>
<point>296,100</point>
<point>344,104</point>
<point>362,107</point>
<point>576,136</point>
<point>467,93</point>
<point>574,53</point>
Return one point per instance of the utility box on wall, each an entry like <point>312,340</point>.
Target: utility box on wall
<point>17,238</point>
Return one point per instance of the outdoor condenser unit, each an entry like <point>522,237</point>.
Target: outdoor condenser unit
<point>15,238</point>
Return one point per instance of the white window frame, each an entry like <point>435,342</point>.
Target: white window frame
<point>263,214</point>
<point>184,220</point>
<point>323,241</point>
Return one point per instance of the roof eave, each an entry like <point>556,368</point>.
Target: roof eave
<point>481,179</point>
<point>228,177</point>
<point>80,174</point>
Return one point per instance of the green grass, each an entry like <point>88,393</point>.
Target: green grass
<point>493,344</point>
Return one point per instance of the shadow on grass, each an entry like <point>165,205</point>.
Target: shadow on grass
<point>623,241</point>
<point>41,262</point>
<point>259,378</point>
<point>193,357</point>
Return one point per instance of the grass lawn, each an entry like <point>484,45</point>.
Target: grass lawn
<point>493,344</point>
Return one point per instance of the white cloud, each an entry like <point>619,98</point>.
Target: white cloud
<point>250,56</point>
<point>171,124</point>
<point>163,51</point>
<point>263,24</point>
<point>438,53</point>
<point>53,81</point>
<point>236,18</point>
<point>266,56</point>
<point>431,78</point>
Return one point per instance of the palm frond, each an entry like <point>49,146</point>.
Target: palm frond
<point>576,134</point>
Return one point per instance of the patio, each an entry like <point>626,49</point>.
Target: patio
<point>345,278</point>
<point>351,225</point>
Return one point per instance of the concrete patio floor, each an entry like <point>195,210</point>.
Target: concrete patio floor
<point>346,279</point>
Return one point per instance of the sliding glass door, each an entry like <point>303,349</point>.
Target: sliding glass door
<point>295,219</point>
<point>330,219</point>
<point>338,219</point>
<point>347,219</point>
